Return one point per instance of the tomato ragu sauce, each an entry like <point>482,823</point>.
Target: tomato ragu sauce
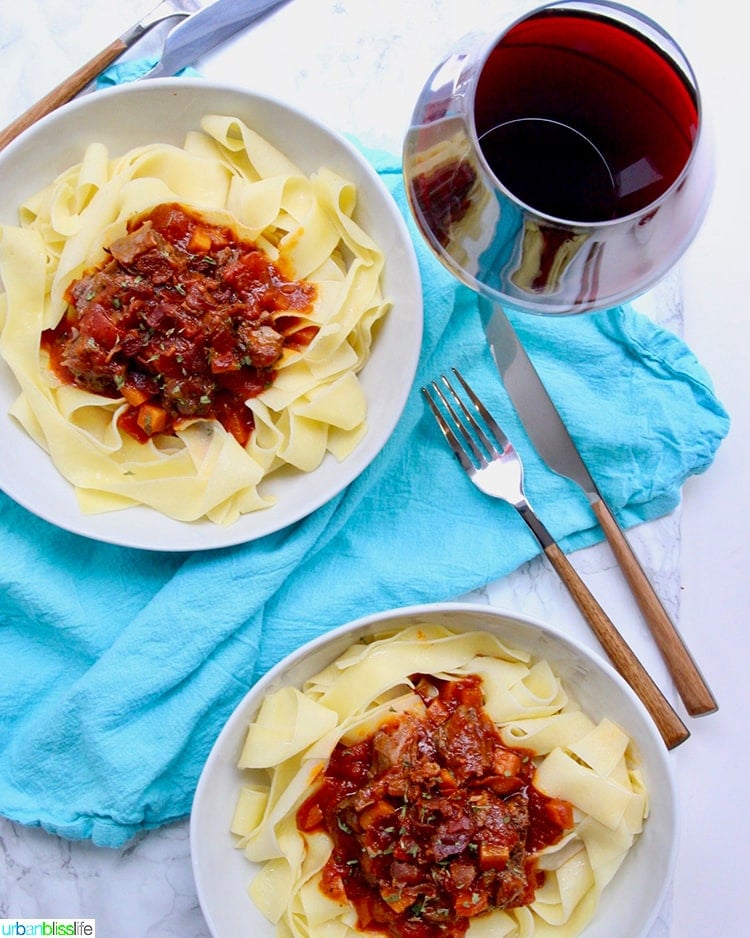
<point>433,820</point>
<point>185,320</point>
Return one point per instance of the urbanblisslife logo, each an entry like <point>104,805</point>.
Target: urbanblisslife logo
<point>25,927</point>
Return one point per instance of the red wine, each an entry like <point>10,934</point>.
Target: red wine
<point>582,119</point>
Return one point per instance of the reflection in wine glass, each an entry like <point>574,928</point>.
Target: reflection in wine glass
<point>564,166</point>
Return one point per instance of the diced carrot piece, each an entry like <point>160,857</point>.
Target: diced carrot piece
<point>493,856</point>
<point>133,395</point>
<point>374,813</point>
<point>447,780</point>
<point>470,903</point>
<point>138,388</point>
<point>560,813</point>
<point>200,241</point>
<point>397,900</point>
<point>152,419</point>
<point>506,762</point>
<point>239,426</point>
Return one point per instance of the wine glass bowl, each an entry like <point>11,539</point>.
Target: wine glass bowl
<point>564,166</point>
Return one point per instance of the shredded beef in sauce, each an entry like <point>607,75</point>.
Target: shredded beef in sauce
<point>433,819</point>
<point>186,320</point>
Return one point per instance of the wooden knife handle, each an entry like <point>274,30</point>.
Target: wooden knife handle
<point>687,678</point>
<point>63,92</point>
<point>671,727</point>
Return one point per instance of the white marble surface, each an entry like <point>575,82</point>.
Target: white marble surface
<point>359,66</point>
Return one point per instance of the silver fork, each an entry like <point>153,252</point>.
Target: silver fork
<point>489,459</point>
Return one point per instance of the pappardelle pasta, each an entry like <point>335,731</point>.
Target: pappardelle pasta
<point>314,404</point>
<point>386,796</point>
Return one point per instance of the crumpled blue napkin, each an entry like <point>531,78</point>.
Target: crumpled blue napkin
<point>121,666</point>
<point>125,70</point>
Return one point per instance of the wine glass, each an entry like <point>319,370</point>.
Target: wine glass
<point>564,166</point>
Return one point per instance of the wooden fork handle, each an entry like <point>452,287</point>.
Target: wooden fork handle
<point>671,727</point>
<point>687,678</point>
<point>64,92</point>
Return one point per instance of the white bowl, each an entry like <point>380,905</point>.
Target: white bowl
<point>163,110</point>
<point>629,904</point>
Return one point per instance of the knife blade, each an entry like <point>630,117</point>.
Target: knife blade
<point>68,89</point>
<point>209,27</point>
<point>553,442</point>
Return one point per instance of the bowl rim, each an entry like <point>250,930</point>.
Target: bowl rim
<point>340,637</point>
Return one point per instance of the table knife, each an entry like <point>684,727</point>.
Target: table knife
<point>201,26</point>
<point>205,29</point>
<point>553,442</point>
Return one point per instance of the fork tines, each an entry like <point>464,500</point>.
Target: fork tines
<point>474,434</point>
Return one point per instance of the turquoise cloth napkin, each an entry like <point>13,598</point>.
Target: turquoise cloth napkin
<point>130,70</point>
<point>121,666</point>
